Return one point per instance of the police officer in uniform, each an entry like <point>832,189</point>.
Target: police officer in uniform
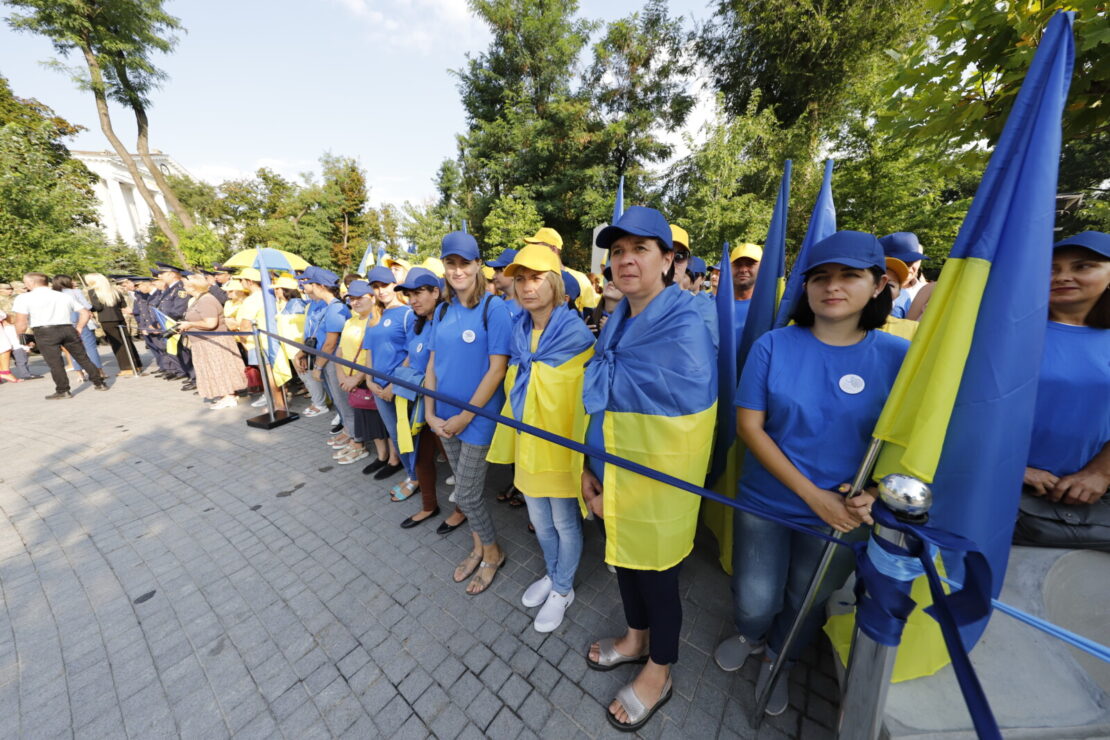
<point>173,301</point>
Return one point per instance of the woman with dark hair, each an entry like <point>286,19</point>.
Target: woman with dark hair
<point>1068,472</point>
<point>807,402</point>
<point>64,284</point>
<point>636,412</point>
<point>424,293</point>
<point>470,352</point>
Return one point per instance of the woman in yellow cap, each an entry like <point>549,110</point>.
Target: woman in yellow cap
<point>549,350</point>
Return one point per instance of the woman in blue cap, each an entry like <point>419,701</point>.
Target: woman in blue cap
<point>384,343</point>
<point>470,347</point>
<point>424,291</point>
<point>551,344</point>
<point>807,402</point>
<point>635,413</point>
<point>1068,472</point>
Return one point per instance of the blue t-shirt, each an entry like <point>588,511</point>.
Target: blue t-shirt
<point>331,320</point>
<point>294,306</point>
<point>314,315</point>
<point>386,340</point>
<point>463,347</point>
<point>515,309</point>
<point>740,317</point>
<point>418,347</point>
<point>901,305</point>
<point>1072,421</point>
<point>821,404</point>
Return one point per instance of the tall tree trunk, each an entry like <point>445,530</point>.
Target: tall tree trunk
<point>97,79</point>
<point>142,125</point>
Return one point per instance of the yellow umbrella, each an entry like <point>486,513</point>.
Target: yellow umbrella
<point>272,259</point>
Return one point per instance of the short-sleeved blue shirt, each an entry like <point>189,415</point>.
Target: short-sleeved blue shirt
<point>463,346</point>
<point>901,305</point>
<point>821,404</point>
<point>515,309</point>
<point>418,347</point>
<point>314,317</point>
<point>334,316</point>
<point>740,317</point>
<point>1072,422</point>
<point>386,340</point>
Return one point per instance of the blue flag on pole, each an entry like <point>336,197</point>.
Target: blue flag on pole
<point>269,310</point>
<point>618,204</point>
<point>822,223</point>
<point>965,424</point>
<point>770,281</point>
<point>367,257</point>
<point>726,371</point>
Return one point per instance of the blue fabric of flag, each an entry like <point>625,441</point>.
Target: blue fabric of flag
<point>564,338</point>
<point>772,269</point>
<point>822,224</point>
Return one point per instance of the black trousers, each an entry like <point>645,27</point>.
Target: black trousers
<point>651,602</point>
<point>116,334</point>
<point>50,340</point>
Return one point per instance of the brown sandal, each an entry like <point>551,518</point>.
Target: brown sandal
<point>482,582</point>
<point>470,563</point>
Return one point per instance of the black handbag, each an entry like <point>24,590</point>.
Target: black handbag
<point>1044,523</point>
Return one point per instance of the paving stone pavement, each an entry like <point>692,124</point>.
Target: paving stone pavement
<point>168,571</point>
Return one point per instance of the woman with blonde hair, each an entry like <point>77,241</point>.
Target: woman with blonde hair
<point>217,360</point>
<point>110,303</point>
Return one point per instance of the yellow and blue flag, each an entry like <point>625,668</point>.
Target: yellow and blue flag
<point>166,324</point>
<point>822,223</point>
<point>367,259</point>
<point>960,414</point>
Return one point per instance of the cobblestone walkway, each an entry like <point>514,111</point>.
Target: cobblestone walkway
<point>168,571</point>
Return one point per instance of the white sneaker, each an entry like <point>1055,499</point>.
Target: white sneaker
<point>450,481</point>
<point>336,420</point>
<point>537,593</point>
<point>224,403</point>
<point>259,402</point>
<point>551,613</point>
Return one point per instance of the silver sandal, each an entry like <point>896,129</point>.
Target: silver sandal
<point>638,714</point>
<point>609,658</point>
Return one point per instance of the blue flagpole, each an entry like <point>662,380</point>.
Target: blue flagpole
<point>726,370</point>
<point>772,268</point>
<point>822,223</point>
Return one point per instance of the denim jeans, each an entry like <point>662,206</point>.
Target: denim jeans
<point>88,338</point>
<point>558,524</point>
<point>772,566</point>
<point>388,411</point>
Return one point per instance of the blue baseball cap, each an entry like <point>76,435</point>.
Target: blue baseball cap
<point>903,245</point>
<point>697,265</point>
<point>459,243</point>
<point>639,221</point>
<point>320,276</point>
<point>503,260</point>
<point>571,286</point>
<point>359,288</point>
<point>420,277</point>
<point>850,248</point>
<point>1096,241</point>
<point>381,274</point>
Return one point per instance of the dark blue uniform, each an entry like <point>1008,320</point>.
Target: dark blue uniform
<point>173,301</point>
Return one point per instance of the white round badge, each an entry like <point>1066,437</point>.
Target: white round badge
<point>469,336</point>
<point>419,348</point>
<point>852,383</point>
<point>387,322</point>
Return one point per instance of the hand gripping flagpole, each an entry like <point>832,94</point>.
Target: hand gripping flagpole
<point>871,663</point>
<point>863,474</point>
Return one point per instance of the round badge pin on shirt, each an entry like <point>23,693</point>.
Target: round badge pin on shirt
<point>851,383</point>
<point>387,322</point>
<point>419,348</point>
<point>469,336</point>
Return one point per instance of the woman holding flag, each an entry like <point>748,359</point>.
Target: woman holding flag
<point>655,406</point>
<point>808,398</point>
<point>470,351</point>
<point>544,383</point>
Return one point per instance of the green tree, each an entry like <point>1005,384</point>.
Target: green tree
<point>512,218</point>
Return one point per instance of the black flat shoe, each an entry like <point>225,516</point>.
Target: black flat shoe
<point>410,522</point>
<point>337,428</point>
<point>190,386</point>
<point>374,466</point>
<point>59,395</point>
<point>388,471</point>
<point>445,528</point>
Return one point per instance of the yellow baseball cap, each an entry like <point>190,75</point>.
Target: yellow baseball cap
<point>535,257</point>
<point>751,251</point>
<point>286,281</point>
<point>250,273</point>
<point>546,236</point>
<point>392,261</point>
<point>435,264</point>
<point>234,284</point>
<point>679,236</point>
<point>900,268</point>
<point>488,272</point>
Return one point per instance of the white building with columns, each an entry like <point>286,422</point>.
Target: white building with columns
<point>122,211</point>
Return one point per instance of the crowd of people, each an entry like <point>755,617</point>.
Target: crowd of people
<point>628,365</point>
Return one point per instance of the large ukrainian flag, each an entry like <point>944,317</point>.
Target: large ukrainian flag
<point>960,414</point>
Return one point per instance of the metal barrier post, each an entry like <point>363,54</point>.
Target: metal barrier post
<point>273,417</point>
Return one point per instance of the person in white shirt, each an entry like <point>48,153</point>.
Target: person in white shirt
<point>48,314</point>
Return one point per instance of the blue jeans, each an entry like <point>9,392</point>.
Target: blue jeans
<point>339,398</point>
<point>772,566</point>
<point>388,411</point>
<point>558,524</point>
<point>88,338</point>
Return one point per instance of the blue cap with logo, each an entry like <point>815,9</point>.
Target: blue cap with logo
<point>849,248</point>
<point>459,243</point>
<point>638,221</point>
<point>381,274</point>
<point>1096,241</point>
<point>503,260</point>
<point>320,276</point>
<point>420,277</point>
<point>359,288</point>
<point>697,265</point>
<point>903,245</point>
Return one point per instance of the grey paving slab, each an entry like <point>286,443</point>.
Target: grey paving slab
<point>167,571</point>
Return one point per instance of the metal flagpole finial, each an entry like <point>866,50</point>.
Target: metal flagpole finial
<point>906,496</point>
